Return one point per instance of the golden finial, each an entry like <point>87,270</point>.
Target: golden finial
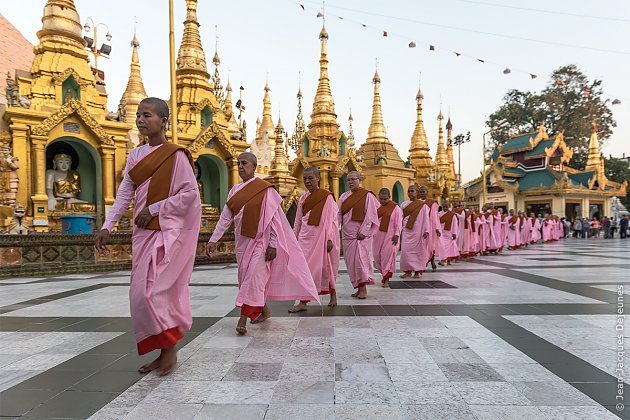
<point>61,24</point>
<point>419,151</point>
<point>376,131</point>
<point>191,57</point>
<point>134,92</point>
<point>323,116</point>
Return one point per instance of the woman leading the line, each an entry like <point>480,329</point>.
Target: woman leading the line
<point>159,177</point>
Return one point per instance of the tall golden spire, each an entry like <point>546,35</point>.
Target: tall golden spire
<point>595,161</point>
<point>441,158</point>
<point>279,163</point>
<point>376,131</point>
<point>300,127</point>
<point>419,150</point>
<point>227,103</point>
<point>323,103</point>
<point>449,148</point>
<point>351,142</point>
<point>61,24</point>
<point>134,93</point>
<point>217,88</point>
<point>266,124</point>
<point>191,59</point>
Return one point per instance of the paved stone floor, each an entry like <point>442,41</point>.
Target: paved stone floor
<point>529,334</point>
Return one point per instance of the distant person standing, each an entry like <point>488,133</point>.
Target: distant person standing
<point>586,228</point>
<point>623,227</point>
<point>577,228</point>
<point>607,226</point>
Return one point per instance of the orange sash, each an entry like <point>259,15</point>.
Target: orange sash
<point>447,219</point>
<point>356,202</point>
<point>251,197</point>
<point>315,203</point>
<point>157,165</point>
<point>385,214</point>
<point>412,210</point>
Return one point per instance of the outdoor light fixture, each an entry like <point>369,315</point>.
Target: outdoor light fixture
<point>105,49</point>
<point>90,41</point>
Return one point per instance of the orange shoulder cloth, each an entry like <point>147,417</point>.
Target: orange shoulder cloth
<point>251,197</point>
<point>157,165</point>
<point>315,203</point>
<point>412,210</point>
<point>356,202</point>
<point>385,214</point>
<point>447,219</point>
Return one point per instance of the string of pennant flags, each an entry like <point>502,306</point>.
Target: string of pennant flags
<point>432,47</point>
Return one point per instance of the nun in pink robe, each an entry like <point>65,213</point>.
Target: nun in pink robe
<point>313,241</point>
<point>514,225</point>
<point>449,236</point>
<point>383,249</point>
<point>526,231</point>
<point>358,253</point>
<point>287,276</point>
<point>547,230</point>
<point>490,236</point>
<point>163,259</point>
<point>415,250</point>
<point>535,230</point>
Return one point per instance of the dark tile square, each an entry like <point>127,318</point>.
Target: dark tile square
<point>398,285</point>
<point>437,284</point>
<point>107,381</point>
<point>87,362</point>
<point>418,284</point>
<point>253,372</point>
<point>548,259</point>
<point>340,310</point>
<point>53,380</point>
<point>369,310</point>
<point>73,404</point>
<point>399,310</point>
<point>16,402</point>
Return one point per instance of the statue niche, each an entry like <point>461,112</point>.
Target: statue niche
<point>63,186</point>
<point>8,176</point>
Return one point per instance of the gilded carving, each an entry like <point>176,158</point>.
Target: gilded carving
<point>58,79</point>
<point>210,132</point>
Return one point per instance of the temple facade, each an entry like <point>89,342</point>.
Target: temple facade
<point>531,172</point>
<point>65,153</point>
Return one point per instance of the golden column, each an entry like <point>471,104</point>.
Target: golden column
<point>20,141</point>
<point>335,184</point>
<point>171,42</point>
<point>233,165</point>
<point>108,174</point>
<point>39,196</point>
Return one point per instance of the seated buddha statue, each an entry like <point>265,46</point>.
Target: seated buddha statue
<point>62,184</point>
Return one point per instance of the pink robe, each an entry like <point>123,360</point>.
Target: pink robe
<point>451,252</point>
<point>415,250</point>
<point>504,230</point>
<point>313,241</point>
<point>526,231</point>
<point>514,233</point>
<point>163,259</point>
<point>468,244</point>
<point>480,225</point>
<point>490,232</point>
<point>535,231</point>
<point>358,253</point>
<point>547,230</point>
<point>436,249</point>
<point>383,249</point>
<point>286,277</point>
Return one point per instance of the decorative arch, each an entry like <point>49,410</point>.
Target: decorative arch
<point>70,89</point>
<point>73,106</point>
<point>206,116</point>
<point>398,193</point>
<point>206,102</point>
<point>210,132</point>
<point>59,78</point>
<point>213,174</point>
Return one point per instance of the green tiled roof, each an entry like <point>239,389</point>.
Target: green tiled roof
<point>540,148</point>
<point>472,186</point>
<point>536,179</point>
<point>514,171</point>
<point>495,155</point>
<point>517,142</point>
<point>582,178</point>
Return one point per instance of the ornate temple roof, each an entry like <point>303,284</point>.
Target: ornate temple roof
<point>191,59</point>
<point>134,92</point>
<point>419,151</point>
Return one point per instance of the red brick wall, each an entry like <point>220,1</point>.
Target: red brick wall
<point>15,53</point>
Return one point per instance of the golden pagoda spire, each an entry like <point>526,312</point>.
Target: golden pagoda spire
<point>419,150</point>
<point>300,126</point>
<point>595,162</point>
<point>449,148</point>
<point>351,143</point>
<point>134,93</point>
<point>266,124</point>
<point>191,59</point>
<point>323,103</point>
<point>441,158</point>
<point>376,131</point>
<point>227,103</point>
<point>217,88</point>
<point>61,25</point>
<point>279,163</point>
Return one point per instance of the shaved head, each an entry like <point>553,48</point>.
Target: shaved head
<point>384,191</point>
<point>313,170</point>
<point>355,174</point>
<point>249,157</point>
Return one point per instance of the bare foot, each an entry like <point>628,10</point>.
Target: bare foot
<point>300,307</point>
<point>362,293</point>
<point>169,361</point>
<point>405,275</point>
<point>241,326</point>
<point>416,275</point>
<point>385,283</point>
<point>355,294</point>
<point>151,366</point>
<point>266,314</point>
<point>333,300</point>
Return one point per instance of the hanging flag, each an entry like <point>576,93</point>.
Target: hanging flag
<point>302,6</point>
<point>364,25</point>
<point>431,48</point>
<point>457,53</point>
<point>616,102</point>
<point>384,33</point>
<point>412,44</point>
<point>532,75</point>
<point>481,61</point>
<point>320,14</point>
<point>507,71</point>
<point>340,17</point>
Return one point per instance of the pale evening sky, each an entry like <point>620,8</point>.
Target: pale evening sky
<point>277,38</point>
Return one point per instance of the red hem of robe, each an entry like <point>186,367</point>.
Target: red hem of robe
<point>252,312</point>
<point>363,283</point>
<point>164,340</point>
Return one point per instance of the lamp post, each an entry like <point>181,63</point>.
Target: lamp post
<point>458,140</point>
<point>93,42</point>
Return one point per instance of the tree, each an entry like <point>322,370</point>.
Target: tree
<point>568,104</point>
<point>618,170</point>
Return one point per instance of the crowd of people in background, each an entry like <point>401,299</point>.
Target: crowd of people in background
<point>584,228</point>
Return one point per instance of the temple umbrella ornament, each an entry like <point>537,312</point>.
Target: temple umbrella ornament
<point>458,140</point>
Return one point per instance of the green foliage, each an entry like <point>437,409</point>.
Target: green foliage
<point>617,170</point>
<point>568,104</point>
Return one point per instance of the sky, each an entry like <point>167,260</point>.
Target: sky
<point>276,40</point>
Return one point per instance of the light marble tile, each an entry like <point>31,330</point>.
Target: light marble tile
<point>490,393</point>
<point>438,412</point>
<point>298,411</point>
<point>553,393</point>
<point>502,412</point>
<point>365,393</point>
<point>364,372</point>
<point>411,372</point>
<point>577,413</point>
<point>304,392</point>
<point>231,412</point>
<point>164,411</point>
<point>369,411</point>
<point>428,393</point>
